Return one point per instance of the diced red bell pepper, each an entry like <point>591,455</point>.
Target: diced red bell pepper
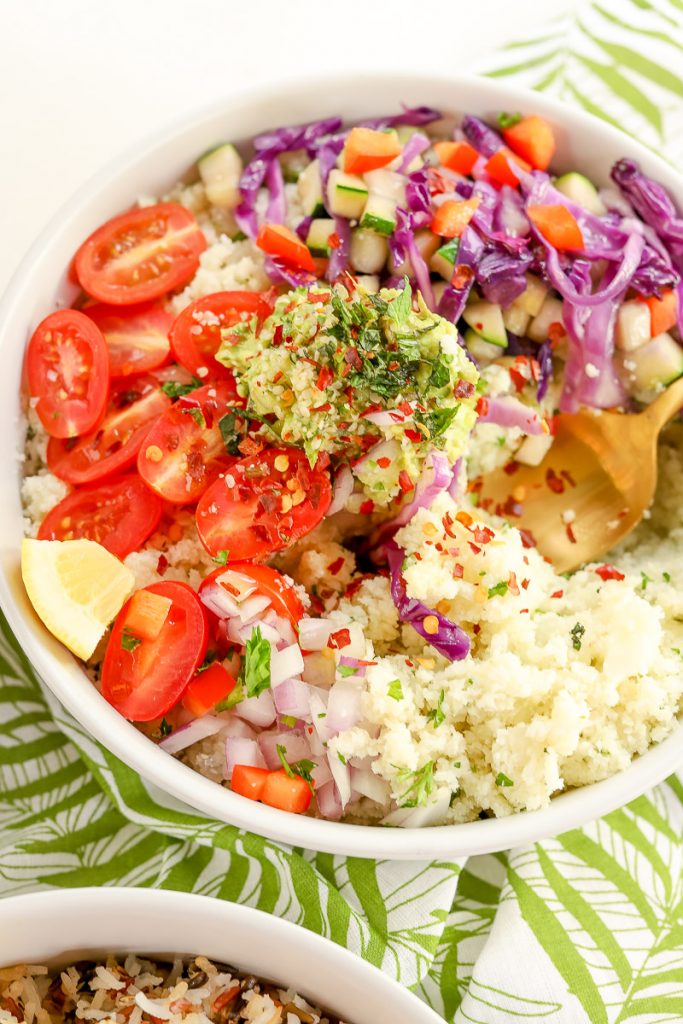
<point>366,149</point>
<point>456,156</point>
<point>557,225</point>
<point>532,139</point>
<point>453,216</point>
<point>277,240</point>
<point>249,781</point>
<point>663,312</point>
<point>288,793</point>
<point>499,170</point>
<point>207,688</point>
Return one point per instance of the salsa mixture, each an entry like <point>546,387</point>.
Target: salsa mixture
<point>255,452</point>
<point>134,990</point>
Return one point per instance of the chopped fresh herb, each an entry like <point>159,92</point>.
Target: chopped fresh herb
<point>395,690</point>
<point>420,788</point>
<point>441,375</point>
<point>341,757</point>
<point>346,670</point>
<point>231,433</point>
<point>322,714</point>
<point>302,768</point>
<point>129,641</point>
<point>256,666</point>
<point>438,421</point>
<point>208,660</point>
<point>233,699</point>
<point>437,715</point>
<point>469,682</point>
<point>503,780</point>
<point>644,580</point>
<point>501,439</point>
<point>197,415</point>
<point>499,590</point>
<point>677,651</point>
<point>165,728</point>
<point>456,764</point>
<point>508,120</point>
<point>175,390</point>
<point>288,720</point>
<point>400,307</point>
<point>667,577</point>
<point>576,633</point>
<point>222,557</point>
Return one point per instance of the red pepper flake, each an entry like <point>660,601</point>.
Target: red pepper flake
<point>418,556</point>
<point>475,549</point>
<point>162,565</point>
<point>568,477</point>
<point>277,376</point>
<point>462,275</point>
<point>465,518</point>
<point>556,334</point>
<point>447,523</point>
<point>482,406</point>
<point>458,571</point>
<point>570,533</point>
<point>367,507</point>
<point>333,240</point>
<point>525,584</point>
<point>249,446</point>
<point>405,483</point>
<point>277,336</point>
<point>352,358</point>
<point>522,611</point>
<point>476,629</point>
<point>553,481</point>
<point>413,435</point>
<point>409,663</point>
<point>528,539</point>
<point>463,389</point>
<point>225,998</point>
<point>334,567</point>
<point>384,462</point>
<point>483,535</point>
<point>340,639</point>
<point>318,296</point>
<point>558,593</point>
<point>512,584</point>
<point>406,408</point>
<point>608,572</point>
<point>518,379</point>
<point>511,467</point>
<point>325,407</point>
<point>393,366</point>
<point>311,362</point>
<point>350,394</point>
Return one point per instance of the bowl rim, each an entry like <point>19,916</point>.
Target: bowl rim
<point>568,810</point>
<point>69,905</point>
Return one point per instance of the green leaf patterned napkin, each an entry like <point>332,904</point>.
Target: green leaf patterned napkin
<point>587,927</point>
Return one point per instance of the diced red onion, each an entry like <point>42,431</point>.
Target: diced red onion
<point>327,799</point>
<point>191,733</point>
<point>218,601</point>
<point>385,417</point>
<point>252,607</point>
<point>239,634</point>
<point>341,773</point>
<point>296,747</point>
<point>314,634</point>
<point>343,489</point>
<point>291,698</point>
<point>366,783</point>
<point>420,817</point>
<point>245,585</point>
<point>318,669</point>
<point>321,774</point>
<point>260,711</point>
<point>356,663</point>
<point>242,751</point>
<point>283,627</point>
<point>285,664</point>
<point>343,706</point>
<point>508,411</point>
<point>318,711</point>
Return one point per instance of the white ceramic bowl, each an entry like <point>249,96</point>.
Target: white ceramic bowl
<point>583,142</point>
<point>58,928</point>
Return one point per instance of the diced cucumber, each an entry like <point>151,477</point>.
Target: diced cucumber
<point>220,170</point>
<point>581,191</point>
<point>368,282</point>
<point>633,325</point>
<point>515,319</point>
<point>549,313</point>
<point>427,243</point>
<point>379,215</point>
<point>443,260</point>
<point>293,164</point>
<point>532,298</point>
<point>486,318</point>
<point>310,189</point>
<point>483,351</point>
<point>652,366</point>
<point>347,194</point>
<point>389,184</point>
<point>318,235</point>
<point>534,449</point>
<point>368,251</point>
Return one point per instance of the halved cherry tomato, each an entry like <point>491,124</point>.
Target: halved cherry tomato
<point>453,216</point>
<point>532,138</point>
<point>456,156</point>
<point>500,169</point>
<point>184,451</point>
<point>140,255</point>
<point>143,679</point>
<point>663,311</point>
<point>366,149</point>
<point>68,372</point>
<point>264,503</point>
<point>248,781</point>
<point>119,514</point>
<point>207,688</point>
<point>287,792</point>
<point>134,405</point>
<point>136,336</point>
<point>196,333</point>
<point>557,225</point>
<point>277,240</point>
<point>269,582</point>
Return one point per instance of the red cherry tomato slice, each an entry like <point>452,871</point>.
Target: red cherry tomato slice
<point>270,583</point>
<point>140,255</point>
<point>287,792</point>
<point>68,372</point>
<point>119,514</point>
<point>134,405</point>
<point>136,336</point>
<point>264,503</point>
<point>143,679</point>
<point>184,451</point>
<point>196,333</point>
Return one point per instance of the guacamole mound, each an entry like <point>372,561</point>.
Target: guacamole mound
<point>365,378</point>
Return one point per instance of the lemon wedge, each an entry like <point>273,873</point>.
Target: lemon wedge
<point>76,587</point>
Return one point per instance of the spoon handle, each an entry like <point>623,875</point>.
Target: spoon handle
<point>665,406</point>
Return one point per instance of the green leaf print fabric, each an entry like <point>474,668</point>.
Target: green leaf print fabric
<point>586,927</point>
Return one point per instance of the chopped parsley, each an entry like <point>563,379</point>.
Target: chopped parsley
<point>576,633</point>
<point>222,557</point>
<point>175,390</point>
<point>301,768</point>
<point>508,120</point>
<point>438,421</point>
<point>197,415</point>
<point>232,428</point>
<point>346,670</point>
<point>341,757</point>
<point>208,661</point>
<point>129,641</point>
<point>499,590</point>
<point>235,697</point>
<point>400,307</point>
<point>395,690</point>
<point>165,729</point>
<point>666,576</point>
<point>437,715</point>
<point>288,720</point>
<point>420,788</point>
<point>256,664</point>
<point>644,580</point>
<point>503,780</point>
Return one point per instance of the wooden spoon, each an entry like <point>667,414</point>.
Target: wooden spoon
<point>593,486</point>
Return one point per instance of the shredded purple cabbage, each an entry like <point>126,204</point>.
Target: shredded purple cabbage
<point>450,640</point>
<point>654,204</point>
<point>280,273</point>
<point>502,275</point>
<point>415,145</point>
<point>478,134</point>
<point>277,207</point>
<point>544,357</point>
<point>508,411</point>
<point>414,116</point>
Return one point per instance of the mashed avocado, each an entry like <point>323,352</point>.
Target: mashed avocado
<point>364,378</point>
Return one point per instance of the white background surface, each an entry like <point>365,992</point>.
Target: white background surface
<point>82,80</point>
